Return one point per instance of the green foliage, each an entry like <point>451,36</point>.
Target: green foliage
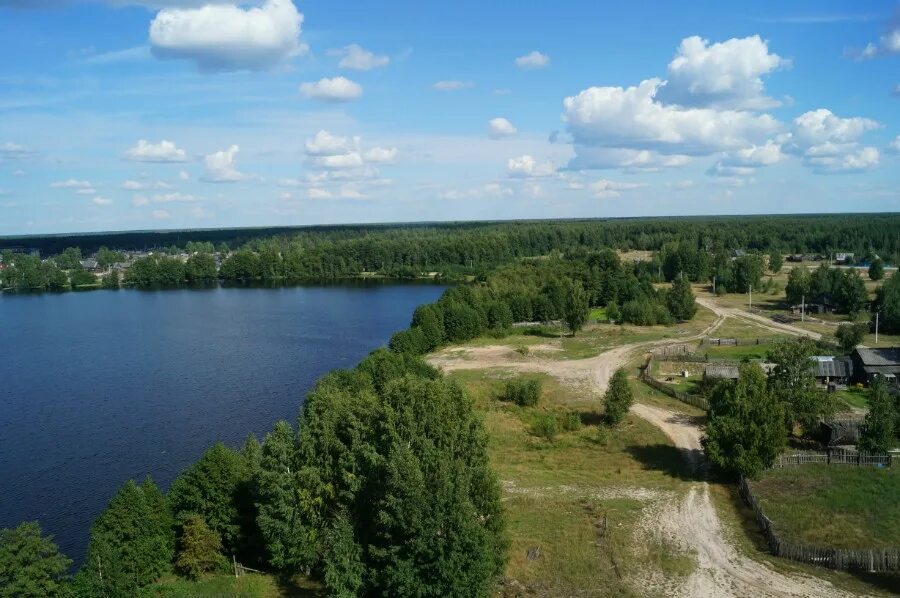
<point>775,262</point>
<point>525,392</point>
<point>201,267</point>
<point>156,270</point>
<point>576,308</point>
<point>612,312</point>
<point>745,429</point>
<point>878,435</point>
<point>106,258</point>
<point>344,570</point>
<point>215,487</point>
<point>798,285</point>
<point>645,312</point>
<point>618,397</point>
<point>850,293</point>
<point>570,421</point>
<point>80,277</point>
<point>29,273</point>
<point>792,382</point>
<point>889,304</point>
<point>199,548</point>
<point>132,542</point>
<point>850,335</point>
<point>545,426</point>
<point>242,265</point>
<point>111,280</point>
<point>69,259</point>
<point>747,271</point>
<point>31,565</point>
<point>680,300</point>
<point>430,320</point>
<point>876,269</point>
<point>411,341</point>
<point>461,321</point>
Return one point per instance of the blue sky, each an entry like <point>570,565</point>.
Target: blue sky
<point>148,114</point>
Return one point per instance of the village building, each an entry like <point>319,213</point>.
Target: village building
<point>720,372</point>
<point>830,370</point>
<point>870,363</point>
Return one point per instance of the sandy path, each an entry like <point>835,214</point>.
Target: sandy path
<point>693,523</point>
<point>756,319</point>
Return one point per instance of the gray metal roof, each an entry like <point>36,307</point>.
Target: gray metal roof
<point>833,367</point>
<point>721,371</point>
<point>889,356</point>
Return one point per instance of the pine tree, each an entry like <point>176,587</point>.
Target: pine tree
<point>576,308</point>
<point>31,565</point>
<point>876,269</point>
<point>680,300</point>
<point>199,548</point>
<point>878,434</point>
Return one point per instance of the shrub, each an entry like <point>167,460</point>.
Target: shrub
<point>545,427</point>
<point>570,421</point>
<point>525,392</point>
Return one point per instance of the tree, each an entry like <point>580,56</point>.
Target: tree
<point>746,273</point>
<point>876,269</point>
<point>680,300</point>
<point>69,259</point>
<point>212,487</point>
<point>106,258</point>
<point>576,308</point>
<point>31,565</point>
<point>132,542</point>
<point>525,392</point>
<point>850,335</point>
<point>850,293</point>
<point>111,280</point>
<point>745,428</point>
<point>618,397</point>
<point>430,319</point>
<point>775,262</point>
<point>199,548</point>
<point>612,312</point>
<point>201,267</point>
<point>889,304</point>
<point>792,382</point>
<point>877,434</point>
<point>798,285</point>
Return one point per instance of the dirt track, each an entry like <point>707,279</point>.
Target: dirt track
<point>693,523</point>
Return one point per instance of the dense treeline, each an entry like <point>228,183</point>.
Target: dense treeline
<point>843,288</point>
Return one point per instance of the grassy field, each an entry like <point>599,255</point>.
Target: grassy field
<point>573,504</point>
<point>217,586</point>
<point>841,507</point>
<point>854,397</point>
<point>737,352</point>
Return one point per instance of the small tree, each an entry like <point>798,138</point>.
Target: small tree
<point>680,300</point>
<point>877,434</point>
<point>612,312</point>
<point>798,285</point>
<point>745,430</point>
<point>775,262</point>
<point>199,548</point>
<point>522,392</point>
<point>618,397</point>
<point>30,564</point>
<point>545,427</point>
<point>850,335</point>
<point>876,269</point>
<point>576,308</point>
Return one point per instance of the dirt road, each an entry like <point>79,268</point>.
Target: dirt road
<point>756,319</point>
<point>693,523</point>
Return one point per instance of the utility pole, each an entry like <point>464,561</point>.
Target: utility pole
<point>714,285</point>
<point>751,298</point>
<point>876,327</point>
<point>802,307</point>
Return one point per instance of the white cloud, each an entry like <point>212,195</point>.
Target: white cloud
<point>357,58</point>
<point>221,166</point>
<point>452,85</point>
<point>830,144</point>
<point>841,160</point>
<point>490,190</point>
<point>337,89</point>
<point>680,185</point>
<point>500,127</point>
<point>604,188</point>
<point>140,185</point>
<point>527,167</point>
<point>633,118</point>
<point>72,184</point>
<point>888,44</point>
<point>222,38</point>
<point>101,201</point>
<point>533,60</point>
<point>894,146</point>
<point>381,154</point>
<point>726,74</point>
<point>14,151</point>
<point>143,200</point>
<point>318,193</point>
<point>340,161</point>
<point>184,176</point>
<point>820,126</point>
<point>161,214</point>
<point>164,151</point>
<point>746,160</point>
<point>324,143</point>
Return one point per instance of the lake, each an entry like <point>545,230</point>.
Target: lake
<point>99,387</point>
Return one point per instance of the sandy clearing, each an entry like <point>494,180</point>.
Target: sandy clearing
<point>756,319</point>
<point>693,522</point>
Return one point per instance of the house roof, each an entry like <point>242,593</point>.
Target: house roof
<point>827,366</point>
<point>721,371</point>
<point>889,356</point>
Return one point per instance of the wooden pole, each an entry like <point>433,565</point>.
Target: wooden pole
<point>234,562</point>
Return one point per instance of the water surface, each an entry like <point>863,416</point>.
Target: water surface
<point>102,386</point>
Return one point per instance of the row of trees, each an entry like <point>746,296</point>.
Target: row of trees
<point>843,287</point>
<point>383,488</point>
<point>751,419</point>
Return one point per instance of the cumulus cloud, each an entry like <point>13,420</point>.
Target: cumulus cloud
<point>14,151</point>
<point>633,118</point>
<point>452,85</point>
<point>830,144</point>
<point>143,200</point>
<point>527,167</point>
<point>101,201</point>
<point>72,184</point>
<point>489,190</point>
<point>726,74</point>
<point>184,176</point>
<point>337,89</point>
<point>604,188</point>
<point>357,58</point>
<point>161,214</point>
<point>164,151</point>
<point>746,160</point>
<point>341,167</point>
<point>380,154</point>
<point>888,44</point>
<point>324,143</point>
<point>820,126</point>
<point>140,185</point>
<point>630,160</point>
<point>533,60</point>
<point>228,37</point>
<point>500,127</point>
<point>221,167</point>
<point>894,146</point>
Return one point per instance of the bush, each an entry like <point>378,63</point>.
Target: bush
<point>523,392</point>
<point>570,421</point>
<point>545,427</point>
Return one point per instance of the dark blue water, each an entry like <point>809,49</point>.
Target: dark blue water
<point>99,387</point>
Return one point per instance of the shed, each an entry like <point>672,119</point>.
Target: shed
<point>720,372</point>
<point>828,369</point>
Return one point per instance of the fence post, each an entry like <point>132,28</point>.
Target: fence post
<point>234,562</point>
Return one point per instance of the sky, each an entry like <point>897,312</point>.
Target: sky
<point>162,114</point>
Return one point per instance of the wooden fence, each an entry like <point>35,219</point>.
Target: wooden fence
<point>872,560</point>
<point>694,400</point>
<point>735,342</point>
<point>835,457</point>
